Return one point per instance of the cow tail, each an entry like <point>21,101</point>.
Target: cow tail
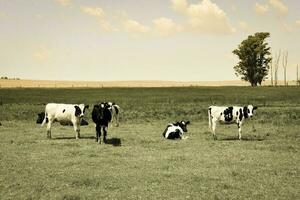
<point>117,108</point>
<point>209,117</point>
<point>45,119</point>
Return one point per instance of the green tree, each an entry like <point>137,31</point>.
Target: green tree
<point>254,55</point>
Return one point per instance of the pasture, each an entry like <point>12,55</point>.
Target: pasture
<point>138,163</point>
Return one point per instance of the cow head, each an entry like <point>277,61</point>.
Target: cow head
<point>80,110</point>
<point>182,125</point>
<point>102,111</point>
<point>249,110</point>
<point>40,117</point>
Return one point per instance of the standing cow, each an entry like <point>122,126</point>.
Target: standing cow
<point>64,113</point>
<point>101,116</point>
<point>41,117</point>
<point>176,130</point>
<point>229,115</point>
<point>114,109</point>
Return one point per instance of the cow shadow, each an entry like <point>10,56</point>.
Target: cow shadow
<point>114,141</point>
<point>73,138</point>
<point>244,138</point>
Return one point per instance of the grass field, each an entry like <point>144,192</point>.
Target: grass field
<point>138,163</point>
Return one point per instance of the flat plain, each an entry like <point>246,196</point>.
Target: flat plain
<point>138,163</point>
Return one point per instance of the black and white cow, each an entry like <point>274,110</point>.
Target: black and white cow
<point>114,109</point>
<point>64,113</point>
<point>101,116</point>
<point>176,130</point>
<point>41,117</point>
<point>229,115</point>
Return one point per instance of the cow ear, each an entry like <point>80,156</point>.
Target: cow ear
<point>77,111</point>
<point>176,123</point>
<point>255,107</point>
<point>187,122</point>
<point>87,106</point>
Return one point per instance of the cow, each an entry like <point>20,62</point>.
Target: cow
<point>114,109</point>
<point>101,116</point>
<point>176,130</point>
<point>64,113</point>
<point>41,117</point>
<point>229,115</point>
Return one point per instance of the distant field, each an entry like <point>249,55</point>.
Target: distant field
<point>264,165</point>
<point>100,84</point>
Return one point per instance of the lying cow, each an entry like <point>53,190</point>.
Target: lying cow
<point>176,130</point>
<point>228,115</point>
<point>114,109</point>
<point>101,116</point>
<point>64,113</point>
<point>41,117</point>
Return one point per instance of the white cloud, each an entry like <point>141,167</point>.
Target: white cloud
<point>180,6</point>
<point>298,22</point>
<point>261,9</point>
<point>64,2</point>
<point>166,27</point>
<point>135,27</point>
<point>279,6</point>
<point>101,16</point>
<point>204,17</point>
<point>93,11</point>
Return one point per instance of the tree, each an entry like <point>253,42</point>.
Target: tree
<point>254,55</point>
<point>276,58</point>
<point>271,73</point>
<point>297,81</point>
<point>284,64</point>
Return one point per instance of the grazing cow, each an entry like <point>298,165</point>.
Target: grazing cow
<point>64,113</point>
<point>114,109</point>
<point>176,130</point>
<point>229,115</point>
<point>41,117</point>
<point>101,116</point>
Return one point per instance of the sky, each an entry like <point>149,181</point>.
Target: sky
<point>110,40</point>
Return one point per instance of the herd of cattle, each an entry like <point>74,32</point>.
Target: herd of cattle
<point>107,112</point>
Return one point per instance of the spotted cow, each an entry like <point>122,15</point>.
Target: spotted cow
<point>64,113</point>
<point>176,130</point>
<point>229,115</point>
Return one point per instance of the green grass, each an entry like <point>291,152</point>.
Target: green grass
<point>264,165</point>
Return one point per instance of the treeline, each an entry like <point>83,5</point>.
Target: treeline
<point>7,78</point>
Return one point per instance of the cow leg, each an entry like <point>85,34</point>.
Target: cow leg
<point>98,133</point>
<point>117,120</point>
<point>76,129</point>
<point>240,130</point>
<point>214,125</point>
<point>104,134</point>
<point>49,129</point>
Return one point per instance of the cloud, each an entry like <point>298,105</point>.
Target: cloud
<point>132,26</point>
<point>261,9</point>
<point>64,2</point>
<point>101,16</point>
<point>203,17</point>
<point>42,54</point>
<point>166,27</point>
<point>278,6</point>
<point>298,22</point>
<point>180,6</point>
<point>93,11</point>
